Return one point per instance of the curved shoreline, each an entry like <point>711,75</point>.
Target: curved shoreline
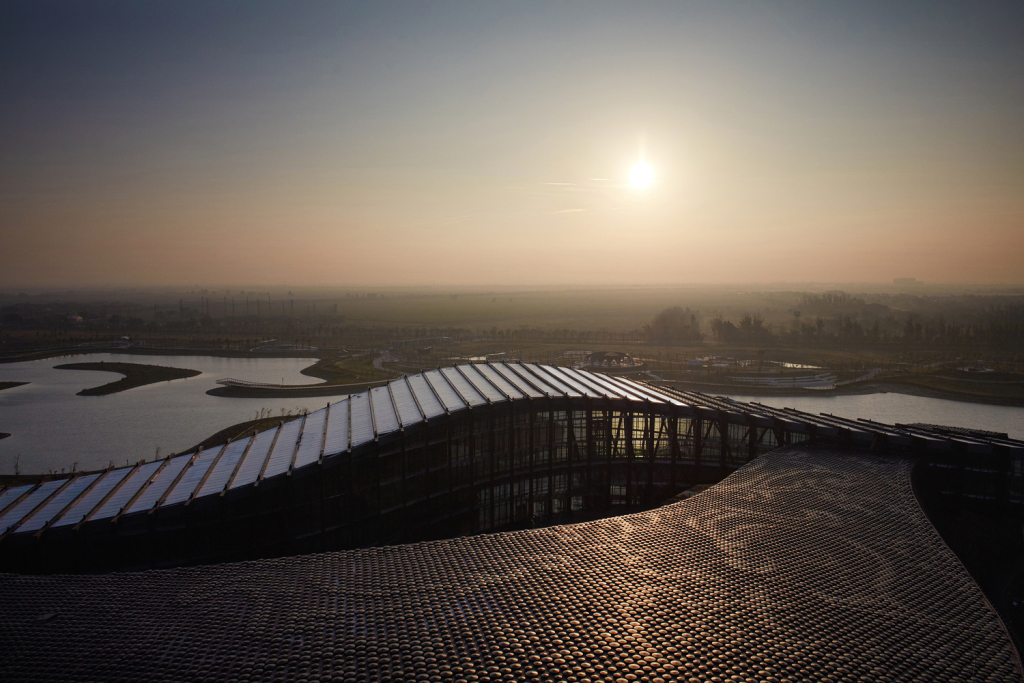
<point>298,392</point>
<point>135,375</point>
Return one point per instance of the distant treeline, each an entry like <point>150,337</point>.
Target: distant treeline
<point>839,318</point>
<point>786,318</point>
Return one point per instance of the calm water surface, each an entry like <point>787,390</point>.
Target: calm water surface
<point>52,428</point>
<point>900,408</point>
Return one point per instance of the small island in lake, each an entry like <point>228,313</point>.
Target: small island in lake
<point>135,375</point>
<point>11,385</point>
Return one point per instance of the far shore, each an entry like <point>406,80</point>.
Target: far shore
<point>11,385</point>
<point>296,391</point>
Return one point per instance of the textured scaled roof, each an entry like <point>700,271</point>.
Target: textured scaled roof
<point>807,564</point>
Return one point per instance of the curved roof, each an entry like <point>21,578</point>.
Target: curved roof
<point>341,427</point>
<point>365,417</point>
<point>810,563</point>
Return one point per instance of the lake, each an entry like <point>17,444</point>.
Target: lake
<point>903,409</point>
<point>53,429</point>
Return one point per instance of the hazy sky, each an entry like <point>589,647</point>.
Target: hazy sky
<point>490,142</point>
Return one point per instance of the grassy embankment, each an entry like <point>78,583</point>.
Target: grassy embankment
<point>135,375</point>
<point>241,430</point>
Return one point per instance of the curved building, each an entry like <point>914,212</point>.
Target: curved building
<point>449,452</point>
<point>811,560</point>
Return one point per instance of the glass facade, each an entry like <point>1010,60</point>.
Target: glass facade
<point>526,462</point>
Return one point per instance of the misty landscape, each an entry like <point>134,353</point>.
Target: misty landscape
<point>498,342</point>
<point>933,342</point>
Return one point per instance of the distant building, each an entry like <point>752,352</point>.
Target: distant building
<point>611,359</point>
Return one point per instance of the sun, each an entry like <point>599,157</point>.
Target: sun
<point>641,175</point>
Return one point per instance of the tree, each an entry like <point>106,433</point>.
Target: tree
<point>724,330</point>
<point>674,325</point>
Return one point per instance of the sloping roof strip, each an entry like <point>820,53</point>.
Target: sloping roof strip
<point>254,459</point>
<point>384,411</point>
<point>159,486</point>
<point>463,387</point>
<point>587,380</point>
<point>408,411</point>
<point>362,422</point>
<point>615,390</point>
<point>28,503</point>
<point>508,389</point>
<point>481,384</point>
<point>312,439</point>
<point>426,396</point>
<point>133,483</point>
<point>449,398</point>
<point>86,503</point>
<point>552,380</point>
<point>225,466</point>
<point>580,387</point>
<point>10,495</point>
<point>538,383</point>
<point>281,457</point>
<point>192,477</point>
<point>524,387</point>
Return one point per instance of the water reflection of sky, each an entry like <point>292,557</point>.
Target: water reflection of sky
<point>52,428</point>
<point>899,408</point>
